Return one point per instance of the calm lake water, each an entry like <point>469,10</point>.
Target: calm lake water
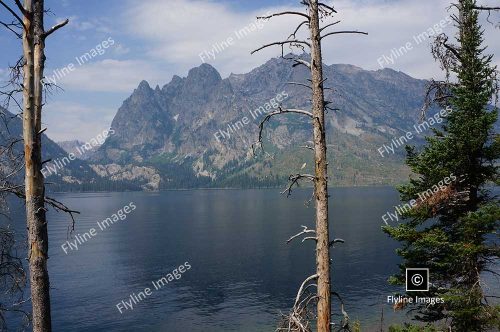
<point>242,271</point>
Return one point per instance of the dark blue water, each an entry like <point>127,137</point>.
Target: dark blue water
<point>242,271</point>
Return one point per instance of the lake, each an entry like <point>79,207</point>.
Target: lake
<point>242,272</point>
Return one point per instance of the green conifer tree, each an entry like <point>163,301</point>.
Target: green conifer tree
<point>454,228</point>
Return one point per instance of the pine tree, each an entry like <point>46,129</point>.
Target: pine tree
<point>454,224</point>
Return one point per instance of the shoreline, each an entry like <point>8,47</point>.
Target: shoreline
<point>225,188</point>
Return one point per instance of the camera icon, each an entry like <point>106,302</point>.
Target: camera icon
<point>417,279</point>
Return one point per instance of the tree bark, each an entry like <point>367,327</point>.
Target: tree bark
<point>321,183</point>
<point>33,49</point>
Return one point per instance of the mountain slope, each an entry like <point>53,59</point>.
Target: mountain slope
<point>198,130</point>
<point>58,172</point>
<point>62,172</point>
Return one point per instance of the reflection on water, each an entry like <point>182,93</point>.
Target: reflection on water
<point>243,272</point>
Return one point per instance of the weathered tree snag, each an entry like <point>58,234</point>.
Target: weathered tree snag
<point>33,40</point>
<point>316,11</point>
<point>34,181</point>
<point>321,183</point>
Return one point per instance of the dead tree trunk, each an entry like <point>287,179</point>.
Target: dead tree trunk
<point>320,173</point>
<point>316,11</point>
<point>33,39</point>
<point>34,181</point>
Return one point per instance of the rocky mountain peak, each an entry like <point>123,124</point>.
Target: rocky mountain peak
<point>201,82</point>
<point>204,72</point>
<point>144,86</point>
<point>144,90</point>
<point>190,126</point>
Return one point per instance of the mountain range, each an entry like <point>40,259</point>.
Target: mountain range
<point>198,130</point>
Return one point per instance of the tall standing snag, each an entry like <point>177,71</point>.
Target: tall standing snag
<point>31,22</point>
<point>315,12</point>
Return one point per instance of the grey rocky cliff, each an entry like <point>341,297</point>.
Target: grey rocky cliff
<point>172,128</point>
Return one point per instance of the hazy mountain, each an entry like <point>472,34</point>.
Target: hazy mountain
<point>78,148</point>
<point>58,170</point>
<point>174,128</point>
<point>62,172</point>
<point>198,131</point>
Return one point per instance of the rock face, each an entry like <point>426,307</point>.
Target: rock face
<point>201,127</point>
<point>198,131</point>
<point>146,175</point>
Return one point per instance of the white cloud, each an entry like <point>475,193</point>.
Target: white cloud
<point>92,24</point>
<point>67,120</point>
<point>178,31</point>
<point>392,25</point>
<point>120,49</point>
<point>171,35</point>
<point>109,76</point>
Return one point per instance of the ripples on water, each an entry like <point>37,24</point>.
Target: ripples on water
<point>243,272</point>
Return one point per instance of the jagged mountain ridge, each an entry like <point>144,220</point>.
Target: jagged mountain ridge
<point>165,137</point>
<point>172,128</point>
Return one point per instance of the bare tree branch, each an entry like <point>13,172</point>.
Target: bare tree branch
<point>453,50</point>
<point>298,320</point>
<point>281,43</point>
<point>58,206</point>
<point>301,289</point>
<point>344,32</point>
<point>332,243</point>
<point>293,35</point>
<point>489,10</point>
<point>321,4</point>
<point>486,8</point>
<point>12,276</point>
<point>10,10</point>
<point>301,62</point>
<point>9,27</point>
<point>304,231</point>
<point>55,28</point>
<point>21,8</point>
<point>299,84</point>
<point>294,181</point>
<point>446,54</point>
<point>284,13</point>
<point>270,115</point>
<point>437,92</point>
<point>329,25</point>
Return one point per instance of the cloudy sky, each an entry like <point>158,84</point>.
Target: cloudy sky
<point>156,39</point>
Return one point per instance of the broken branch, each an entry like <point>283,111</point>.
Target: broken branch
<point>304,231</point>
<point>284,13</point>
<point>301,289</point>
<point>294,41</point>
<point>55,28</point>
<point>344,32</point>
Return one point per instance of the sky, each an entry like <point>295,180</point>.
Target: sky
<point>127,41</point>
